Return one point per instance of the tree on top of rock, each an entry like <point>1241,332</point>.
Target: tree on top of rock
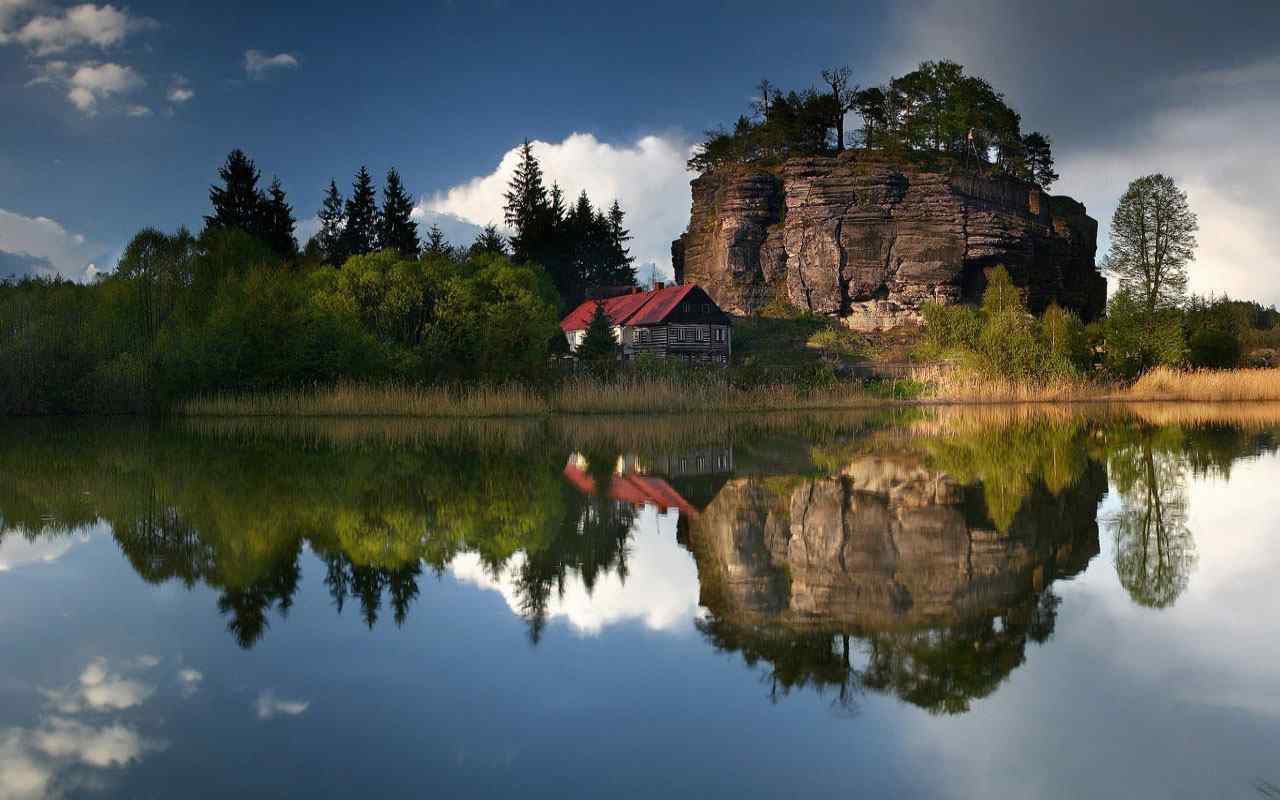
<point>1038,153</point>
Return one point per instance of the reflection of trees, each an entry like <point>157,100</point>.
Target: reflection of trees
<point>1155,551</point>
<point>939,669</point>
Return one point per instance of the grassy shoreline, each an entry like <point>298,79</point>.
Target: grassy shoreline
<point>665,395</point>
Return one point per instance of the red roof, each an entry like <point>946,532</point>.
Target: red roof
<point>638,308</point>
<point>637,490</point>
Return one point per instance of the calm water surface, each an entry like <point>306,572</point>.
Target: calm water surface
<point>940,604</point>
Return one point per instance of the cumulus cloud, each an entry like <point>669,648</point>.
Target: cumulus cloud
<point>257,63</point>
<point>98,689</point>
<point>1132,97</point>
<point>9,11</point>
<point>661,588</point>
<point>44,248</point>
<point>180,91</point>
<point>268,705</point>
<point>20,551</point>
<point>647,177</point>
<point>81,25</point>
<point>88,84</point>
<point>457,231</point>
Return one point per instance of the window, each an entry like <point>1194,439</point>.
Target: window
<point>642,334</point>
<point>702,333</point>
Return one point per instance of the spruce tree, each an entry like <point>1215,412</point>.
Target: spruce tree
<point>489,241</point>
<point>621,262</point>
<point>527,207</point>
<point>360,236</point>
<point>598,347</point>
<point>238,202</point>
<point>332,221</point>
<point>436,244</point>
<point>280,221</point>
<point>397,230</point>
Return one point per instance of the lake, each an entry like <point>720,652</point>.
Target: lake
<point>928,603</point>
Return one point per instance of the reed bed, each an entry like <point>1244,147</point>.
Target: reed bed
<point>579,395</point>
<point>711,394</point>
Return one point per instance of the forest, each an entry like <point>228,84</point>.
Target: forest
<point>239,307</point>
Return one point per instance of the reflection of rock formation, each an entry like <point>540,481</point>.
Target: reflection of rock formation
<point>894,553</point>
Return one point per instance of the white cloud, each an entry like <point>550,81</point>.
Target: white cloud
<point>258,63</point>
<point>19,551</point>
<point>138,111</point>
<point>190,680</point>
<point>648,178</point>
<point>81,25</point>
<point>91,83</point>
<point>661,588</point>
<point>98,689</point>
<point>8,15</point>
<point>268,705</point>
<point>180,90</point>
<point>53,249</point>
<point>1229,188</point>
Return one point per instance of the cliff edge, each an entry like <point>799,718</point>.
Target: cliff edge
<point>870,239</point>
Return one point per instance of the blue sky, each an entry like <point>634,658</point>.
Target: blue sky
<point>124,111</point>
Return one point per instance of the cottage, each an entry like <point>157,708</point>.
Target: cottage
<point>667,322</point>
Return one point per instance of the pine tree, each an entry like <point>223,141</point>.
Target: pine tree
<point>238,202</point>
<point>332,221</point>
<point>360,235</point>
<point>598,347</point>
<point>397,230</point>
<point>436,244</point>
<point>280,221</point>
<point>489,241</point>
<point>621,262</point>
<point>527,207</point>
<point>1038,151</point>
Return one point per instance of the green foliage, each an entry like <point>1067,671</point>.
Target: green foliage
<point>934,109</point>
<point>1003,338</point>
<point>1135,340</point>
<point>1153,238</point>
<point>1214,333</point>
<point>598,348</point>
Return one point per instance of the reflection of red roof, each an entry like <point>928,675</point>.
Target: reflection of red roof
<point>638,308</point>
<point>637,490</point>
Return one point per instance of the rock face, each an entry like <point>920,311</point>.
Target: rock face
<point>889,544</point>
<point>869,240</point>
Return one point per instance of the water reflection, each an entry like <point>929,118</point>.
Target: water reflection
<point>913,555</point>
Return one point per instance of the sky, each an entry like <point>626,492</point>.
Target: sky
<point>117,115</point>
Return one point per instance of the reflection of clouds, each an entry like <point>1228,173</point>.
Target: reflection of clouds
<point>190,680</point>
<point>1131,690</point>
<point>268,705</point>
<point>661,587</point>
<point>98,690</point>
<point>35,761</point>
<point>17,550</point>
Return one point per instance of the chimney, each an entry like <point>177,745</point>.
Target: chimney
<point>659,285</point>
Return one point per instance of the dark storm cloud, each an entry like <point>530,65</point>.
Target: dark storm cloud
<point>1191,89</point>
<point>1094,70</point>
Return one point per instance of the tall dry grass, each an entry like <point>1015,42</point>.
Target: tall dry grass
<point>1207,386</point>
<point>650,395</point>
<point>580,395</point>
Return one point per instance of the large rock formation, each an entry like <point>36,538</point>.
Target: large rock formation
<point>870,240</point>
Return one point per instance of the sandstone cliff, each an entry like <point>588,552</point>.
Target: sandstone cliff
<point>870,240</point>
<point>889,544</point>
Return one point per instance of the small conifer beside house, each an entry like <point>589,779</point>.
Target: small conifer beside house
<point>680,322</point>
